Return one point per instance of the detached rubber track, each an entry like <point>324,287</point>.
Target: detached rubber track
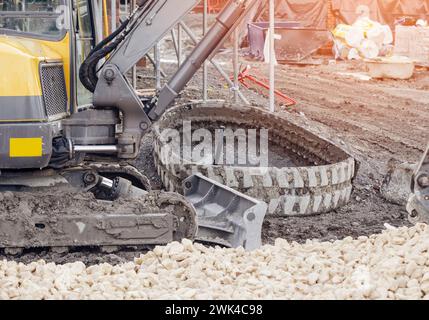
<point>325,184</point>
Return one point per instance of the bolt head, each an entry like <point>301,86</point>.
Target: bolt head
<point>423,180</point>
<point>109,74</point>
<point>413,214</point>
<point>89,178</point>
<point>144,126</point>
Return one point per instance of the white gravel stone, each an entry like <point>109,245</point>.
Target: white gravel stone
<point>391,265</point>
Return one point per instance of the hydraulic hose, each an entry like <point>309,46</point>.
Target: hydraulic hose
<point>88,69</point>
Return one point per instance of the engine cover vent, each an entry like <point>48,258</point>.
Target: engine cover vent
<point>53,89</point>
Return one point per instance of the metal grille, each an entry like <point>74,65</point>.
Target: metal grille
<point>53,88</point>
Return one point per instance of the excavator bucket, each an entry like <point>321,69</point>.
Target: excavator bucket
<point>225,216</point>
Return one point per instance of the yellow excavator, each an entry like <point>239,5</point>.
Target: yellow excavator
<point>70,120</point>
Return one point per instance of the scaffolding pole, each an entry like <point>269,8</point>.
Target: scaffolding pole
<point>113,15</point>
<point>236,66</point>
<point>205,66</point>
<point>157,56</point>
<point>179,45</point>
<point>129,7</point>
<point>272,55</point>
<point>134,69</point>
<point>214,63</point>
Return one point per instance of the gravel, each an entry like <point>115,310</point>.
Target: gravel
<point>390,265</point>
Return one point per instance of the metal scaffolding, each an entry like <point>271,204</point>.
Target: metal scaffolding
<point>118,10</point>
<point>272,58</point>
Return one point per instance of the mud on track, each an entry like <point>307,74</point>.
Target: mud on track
<point>376,121</point>
<point>320,182</point>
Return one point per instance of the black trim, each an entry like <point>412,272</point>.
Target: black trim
<point>73,54</point>
<point>26,35</point>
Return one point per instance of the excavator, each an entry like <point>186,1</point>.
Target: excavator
<point>71,122</point>
<point>70,117</point>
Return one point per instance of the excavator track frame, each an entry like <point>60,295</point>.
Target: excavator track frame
<point>63,212</point>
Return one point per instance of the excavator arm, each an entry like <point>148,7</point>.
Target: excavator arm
<point>131,42</point>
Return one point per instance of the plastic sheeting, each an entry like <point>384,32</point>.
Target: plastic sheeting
<point>383,11</point>
<point>314,13</point>
<point>311,13</point>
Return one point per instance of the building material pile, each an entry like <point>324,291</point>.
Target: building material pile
<point>391,265</point>
<point>364,38</point>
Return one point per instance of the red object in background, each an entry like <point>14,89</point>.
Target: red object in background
<point>214,6</point>
<point>250,81</point>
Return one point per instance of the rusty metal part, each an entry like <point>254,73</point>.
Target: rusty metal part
<point>322,184</point>
<point>251,81</point>
<point>418,203</point>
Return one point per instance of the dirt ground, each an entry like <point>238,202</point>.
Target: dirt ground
<point>376,121</point>
<point>379,122</point>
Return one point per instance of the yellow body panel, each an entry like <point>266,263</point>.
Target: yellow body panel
<point>20,59</point>
<point>25,147</point>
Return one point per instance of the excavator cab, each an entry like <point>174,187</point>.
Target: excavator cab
<point>69,117</point>
<point>66,27</point>
<point>36,83</point>
<point>42,45</point>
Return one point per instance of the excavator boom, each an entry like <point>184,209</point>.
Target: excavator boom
<point>138,34</point>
